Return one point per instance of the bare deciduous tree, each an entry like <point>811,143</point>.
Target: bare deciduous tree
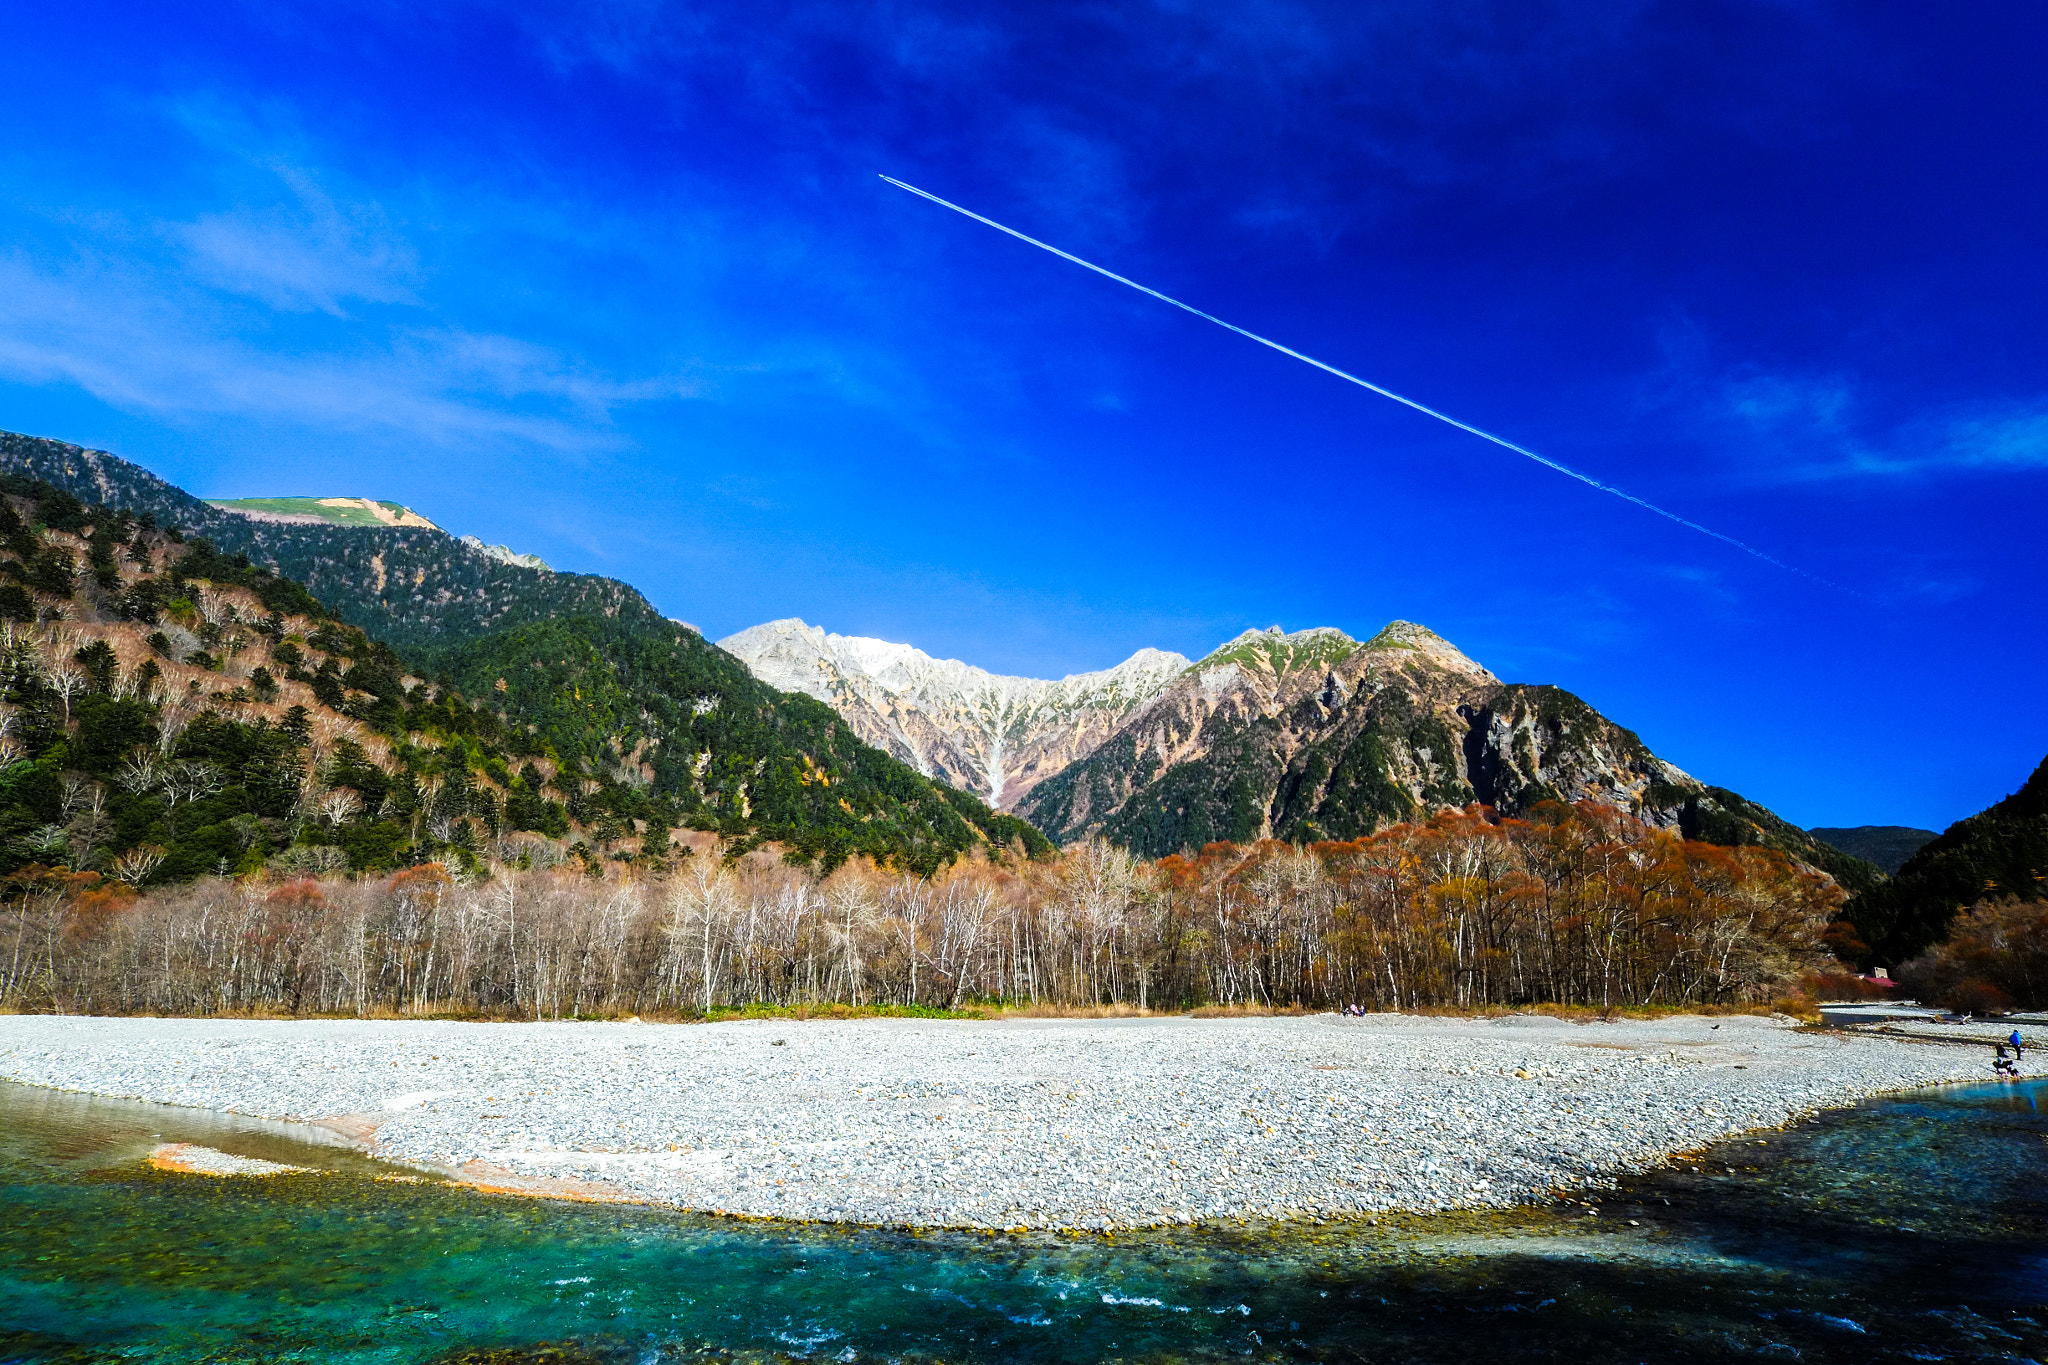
<point>338,806</point>
<point>137,863</point>
<point>1582,906</point>
<point>68,683</point>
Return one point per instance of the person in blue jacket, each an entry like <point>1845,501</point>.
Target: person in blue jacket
<point>2015,1041</point>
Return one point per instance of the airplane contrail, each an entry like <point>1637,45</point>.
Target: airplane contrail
<point>1480,432</point>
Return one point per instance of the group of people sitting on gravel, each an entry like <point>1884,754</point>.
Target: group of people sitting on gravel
<point>2005,1065</point>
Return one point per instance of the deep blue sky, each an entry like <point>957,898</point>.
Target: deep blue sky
<point>619,286</point>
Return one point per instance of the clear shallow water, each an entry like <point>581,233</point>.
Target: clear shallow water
<point>1907,1229</point>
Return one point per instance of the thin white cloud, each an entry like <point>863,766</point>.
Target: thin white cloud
<point>304,254</point>
<point>138,343</point>
<point>1702,584</point>
<point>295,303</point>
<point>2016,440</point>
<point>1780,427</point>
<point>1813,435</point>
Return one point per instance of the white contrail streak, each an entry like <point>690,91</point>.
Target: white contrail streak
<point>1480,432</point>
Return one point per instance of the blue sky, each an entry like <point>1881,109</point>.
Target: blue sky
<point>618,285</point>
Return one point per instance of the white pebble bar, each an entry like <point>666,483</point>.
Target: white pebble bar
<point>1088,1124</point>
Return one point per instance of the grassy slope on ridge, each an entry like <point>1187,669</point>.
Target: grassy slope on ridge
<point>341,511</point>
<point>632,702</point>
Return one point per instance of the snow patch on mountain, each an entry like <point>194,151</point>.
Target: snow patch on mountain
<point>983,732</point>
<point>505,554</point>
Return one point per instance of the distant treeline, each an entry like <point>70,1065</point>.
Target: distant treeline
<point>1576,905</point>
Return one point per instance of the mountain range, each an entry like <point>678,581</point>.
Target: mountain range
<point>996,736</point>
<point>493,690</point>
<point>1302,736</point>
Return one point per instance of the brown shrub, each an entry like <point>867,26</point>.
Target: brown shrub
<point>1843,986</point>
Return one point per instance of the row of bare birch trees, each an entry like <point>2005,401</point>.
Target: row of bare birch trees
<point>1581,906</point>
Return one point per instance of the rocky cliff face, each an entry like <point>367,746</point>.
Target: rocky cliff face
<point>996,736</point>
<point>1314,735</point>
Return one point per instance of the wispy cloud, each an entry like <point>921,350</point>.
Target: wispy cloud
<point>1816,430</point>
<point>142,344</point>
<point>1776,426</point>
<point>306,253</point>
<point>289,300</point>
<point>2011,440</point>
<point>1705,586</point>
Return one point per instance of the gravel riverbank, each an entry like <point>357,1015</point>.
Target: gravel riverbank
<point>1037,1123</point>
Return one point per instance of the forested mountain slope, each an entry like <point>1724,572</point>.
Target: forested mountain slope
<point>170,711</point>
<point>1313,735</point>
<point>419,590</point>
<point>2000,852</point>
<point>645,718</point>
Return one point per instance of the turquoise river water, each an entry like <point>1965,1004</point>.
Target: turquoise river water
<point>1913,1228</point>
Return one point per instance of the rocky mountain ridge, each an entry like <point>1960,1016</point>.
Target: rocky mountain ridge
<point>979,731</point>
<point>1313,735</point>
<point>505,554</point>
<point>1301,736</point>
